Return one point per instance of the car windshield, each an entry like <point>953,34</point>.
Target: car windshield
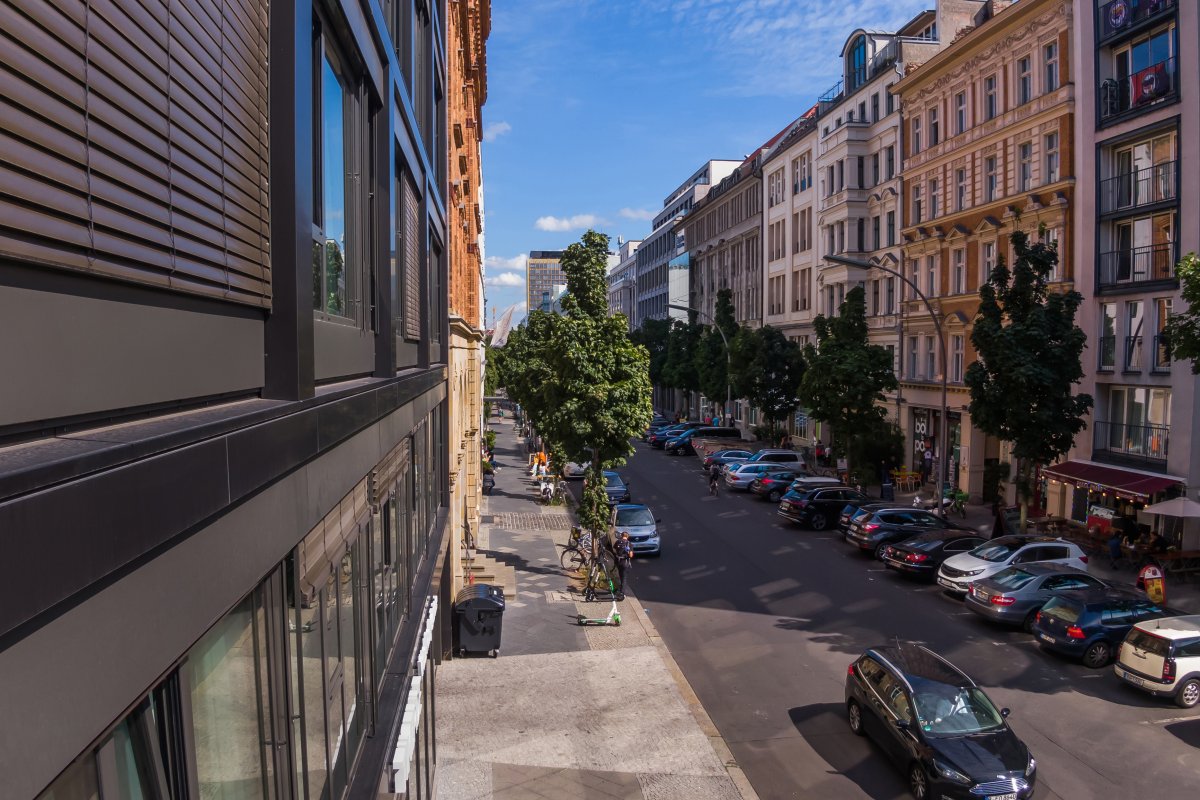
<point>944,710</point>
<point>1012,579</point>
<point>613,481</point>
<point>633,517</point>
<point>995,551</point>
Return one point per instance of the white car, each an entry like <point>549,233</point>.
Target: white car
<point>1162,657</point>
<point>573,470</point>
<point>958,572</point>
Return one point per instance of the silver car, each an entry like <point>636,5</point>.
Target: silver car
<point>1014,596</point>
<point>740,476</point>
<point>642,527</point>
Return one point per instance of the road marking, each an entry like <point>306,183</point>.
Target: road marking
<point>1166,721</point>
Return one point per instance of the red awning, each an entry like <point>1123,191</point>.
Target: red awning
<point>1119,480</point>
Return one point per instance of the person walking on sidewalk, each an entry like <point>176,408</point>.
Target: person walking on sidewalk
<point>623,550</point>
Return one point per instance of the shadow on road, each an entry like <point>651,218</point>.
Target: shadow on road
<point>823,726</point>
<point>1187,732</point>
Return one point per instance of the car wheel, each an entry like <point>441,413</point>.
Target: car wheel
<point>918,784</point>
<point>879,548</point>
<point>818,522</point>
<point>1027,625</point>
<point>775,496</point>
<point>1097,655</point>
<point>1189,694</point>
<point>854,714</point>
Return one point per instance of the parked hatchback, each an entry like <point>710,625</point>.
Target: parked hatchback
<point>1162,657</point>
<point>682,444</point>
<point>616,487</point>
<point>957,573</point>
<point>722,457</point>
<point>875,531</point>
<point>817,508</point>
<point>659,439</point>
<point>642,527</point>
<point>1090,625</point>
<point>1014,596</point>
<point>921,555</point>
<point>937,725</point>
<point>740,476</point>
<point>772,484</point>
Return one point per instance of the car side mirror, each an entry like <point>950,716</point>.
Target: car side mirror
<point>902,724</point>
<point>1004,712</point>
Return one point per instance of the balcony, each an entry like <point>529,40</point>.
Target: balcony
<point>1131,442</point>
<point>1139,189</point>
<point>1149,264</point>
<point>1107,350</point>
<point>831,97</point>
<point>1133,354</point>
<point>1145,88</point>
<point>1117,18</point>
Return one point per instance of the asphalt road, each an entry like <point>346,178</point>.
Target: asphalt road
<point>763,618</point>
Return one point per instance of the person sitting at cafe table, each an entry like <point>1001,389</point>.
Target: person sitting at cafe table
<point>1158,543</point>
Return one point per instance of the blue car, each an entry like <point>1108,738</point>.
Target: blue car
<point>1090,625</point>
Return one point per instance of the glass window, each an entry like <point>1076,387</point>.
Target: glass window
<point>1024,80</point>
<point>960,190</point>
<point>935,199</point>
<point>960,271</point>
<point>987,261</point>
<point>891,228</point>
<point>334,266</point>
<point>916,135</point>
<point>1050,66</point>
<point>1025,165</point>
<point>934,128</point>
<point>1108,335</point>
<point>990,179</point>
<point>1050,150</point>
<point>960,112</point>
<point>990,98</point>
<point>226,677</point>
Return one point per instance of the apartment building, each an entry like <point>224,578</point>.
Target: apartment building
<point>621,282</point>
<point>468,24</point>
<point>542,273</point>
<point>223,437</point>
<point>1137,133</point>
<point>657,285</point>
<point>989,126</point>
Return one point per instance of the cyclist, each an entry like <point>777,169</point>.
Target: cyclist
<point>714,478</point>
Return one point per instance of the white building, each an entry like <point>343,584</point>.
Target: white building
<point>621,281</point>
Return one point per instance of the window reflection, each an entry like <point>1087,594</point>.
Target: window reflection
<point>332,267</point>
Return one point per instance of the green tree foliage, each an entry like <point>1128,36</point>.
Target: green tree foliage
<point>654,335</point>
<point>1028,350</point>
<point>710,353</point>
<point>767,370</point>
<point>1183,329</point>
<point>847,375</point>
<point>680,371</point>
<point>493,370</point>
<point>583,382</point>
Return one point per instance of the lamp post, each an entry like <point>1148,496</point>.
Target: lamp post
<point>943,427</point>
<point>728,359</point>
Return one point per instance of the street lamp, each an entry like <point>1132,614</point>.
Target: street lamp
<point>943,444</point>
<point>728,358</point>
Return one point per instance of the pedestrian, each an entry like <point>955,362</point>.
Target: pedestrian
<point>624,554</point>
<point>926,463</point>
<point>1114,549</point>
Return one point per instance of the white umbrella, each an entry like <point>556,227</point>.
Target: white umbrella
<point>1176,507</point>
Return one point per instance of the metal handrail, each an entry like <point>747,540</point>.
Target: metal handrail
<point>1143,187</point>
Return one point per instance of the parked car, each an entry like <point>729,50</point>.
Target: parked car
<point>658,440</point>
<point>573,470</point>
<point>937,725</point>
<point>616,487</point>
<point>723,457</point>
<point>740,476</point>
<point>984,561</point>
<point>817,508</point>
<point>656,424</point>
<point>1162,657</point>
<point>772,484</point>
<point>1014,596</point>
<point>642,527</point>
<point>778,457</point>
<point>921,555</point>
<point>849,512</point>
<point>874,531</point>
<point>682,444</point>
<point>1090,625</point>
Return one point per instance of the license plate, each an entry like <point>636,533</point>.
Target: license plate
<point>1009,796</point>
<point>942,581</point>
<point>1134,679</point>
<point>1046,638</point>
<point>982,595</point>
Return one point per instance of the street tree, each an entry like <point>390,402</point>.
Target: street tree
<point>767,371</point>
<point>654,335</point>
<point>680,371</point>
<point>711,358</point>
<point>1183,328</point>
<point>847,376</point>
<point>585,384</point>
<point>1028,350</point>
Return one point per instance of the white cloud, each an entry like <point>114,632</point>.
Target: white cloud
<point>636,213</point>
<point>577,222</point>
<point>505,279</point>
<point>494,130</point>
<point>517,262</point>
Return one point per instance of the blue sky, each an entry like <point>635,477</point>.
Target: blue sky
<point>597,109</point>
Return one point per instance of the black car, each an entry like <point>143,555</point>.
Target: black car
<point>616,487</point>
<point>937,725</point>
<point>817,508</point>
<point>658,439</point>
<point>772,485</point>
<point>850,511</point>
<point>721,457</point>
<point>923,554</point>
<point>664,432</point>
<point>1091,624</point>
<point>875,531</point>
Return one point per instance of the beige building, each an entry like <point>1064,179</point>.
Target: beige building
<point>988,126</point>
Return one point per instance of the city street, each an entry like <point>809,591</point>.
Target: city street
<point>763,617</point>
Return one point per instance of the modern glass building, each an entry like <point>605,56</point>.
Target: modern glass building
<point>542,274</point>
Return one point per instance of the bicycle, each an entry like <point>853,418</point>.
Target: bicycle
<point>576,552</point>
<point>599,578</point>
<point>958,502</point>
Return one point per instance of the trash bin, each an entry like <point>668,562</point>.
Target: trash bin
<point>887,492</point>
<point>480,613</point>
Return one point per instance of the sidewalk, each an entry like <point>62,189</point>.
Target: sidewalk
<point>568,711</point>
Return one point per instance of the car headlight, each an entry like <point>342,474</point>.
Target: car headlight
<point>951,774</point>
<point>972,572</point>
<point>1031,766</point>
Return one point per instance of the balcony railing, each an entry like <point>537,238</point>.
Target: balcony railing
<point>1108,353</point>
<point>1162,354</point>
<point>1139,441</point>
<point>1133,354</point>
<point>1117,17</point>
<point>1142,187</point>
<point>1155,262</point>
<point>1141,89</point>
<point>831,96</point>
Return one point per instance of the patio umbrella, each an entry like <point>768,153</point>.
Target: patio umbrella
<point>1182,507</point>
